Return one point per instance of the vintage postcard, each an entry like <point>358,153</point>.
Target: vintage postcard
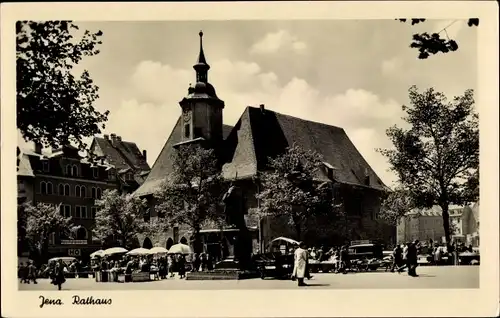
<point>250,159</point>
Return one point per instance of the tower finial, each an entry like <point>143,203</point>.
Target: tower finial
<point>201,65</point>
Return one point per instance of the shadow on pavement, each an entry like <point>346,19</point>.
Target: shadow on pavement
<point>317,285</point>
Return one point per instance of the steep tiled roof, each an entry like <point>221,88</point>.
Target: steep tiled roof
<point>122,155</point>
<point>261,134</point>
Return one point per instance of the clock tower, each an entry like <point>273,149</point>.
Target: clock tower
<point>201,108</point>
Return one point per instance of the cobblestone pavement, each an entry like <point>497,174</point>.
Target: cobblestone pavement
<point>430,277</point>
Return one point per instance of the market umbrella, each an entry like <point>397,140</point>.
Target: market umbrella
<point>114,250</point>
<point>286,239</point>
<point>139,251</point>
<point>158,250</point>
<point>180,249</point>
<point>99,253</point>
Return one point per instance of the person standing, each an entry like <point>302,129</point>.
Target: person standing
<point>300,264</point>
<point>181,266</point>
<point>397,259</point>
<point>59,275</point>
<point>32,272</point>
<point>412,259</point>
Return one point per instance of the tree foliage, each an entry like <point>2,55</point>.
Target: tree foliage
<point>53,106</point>
<point>437,157</point>
<point>290,188</point>
<point>119,218</point>
<point>396,205</point>
<point>40,221</point>
<point>193,193</point>
<point>430,44</point>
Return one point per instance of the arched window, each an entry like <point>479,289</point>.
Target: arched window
<point>66,189</point>
<point>98,193</point>
<point>83,191</point>
<point>74,171</point>
<point>68,170</point>
<point>50,189</point>
<point>77,191</point>
<point>43,187</point>
<point>61,189</point>
<point>81,233</point>
<point>183,240</point>
<point>147,243</point>
<point>93,193</point>
<point>170,242</point>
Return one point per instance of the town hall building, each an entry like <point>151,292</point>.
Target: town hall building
<point>244,149</point>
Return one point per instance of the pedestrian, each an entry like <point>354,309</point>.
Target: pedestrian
<point>171,265</point>
<point>23,273</point>
<point>32,273</point>
<point>203,260</point>
<point>58,277</point>
<point>397,259</point>
<point>210,263</point>
<point>196,262</point>
<point>412,258</point>
<point>300,264</point>
<point>181,266</point>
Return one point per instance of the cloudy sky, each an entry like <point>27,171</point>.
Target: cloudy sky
<point>349,73</point>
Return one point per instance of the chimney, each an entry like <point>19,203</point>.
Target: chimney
<point>144,154</point>
<point>119,138</point>
<point>262,107</point>
<point>113,139</point>
<point>106,137</point>
<point>38,148</point>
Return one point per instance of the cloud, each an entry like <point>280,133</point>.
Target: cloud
<point>148,117</point>
<point>278,41</point>
<point>391,66</point>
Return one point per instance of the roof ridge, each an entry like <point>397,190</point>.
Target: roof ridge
<point>302,119</point>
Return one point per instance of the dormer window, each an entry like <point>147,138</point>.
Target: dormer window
<point>329,170</point>
<point>45,165</point>
<point>111,175</point>
<point>95,172</point>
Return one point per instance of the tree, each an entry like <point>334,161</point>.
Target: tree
<point>41,221</point>
<point>53,106</point>
<point>119,218</point>
<point>290,190</point>
<point>193,193</point>
<point>428,44</point>
<point>437,157</point>
<point>397,203</point>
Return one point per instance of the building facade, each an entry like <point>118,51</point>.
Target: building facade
<point>244,150</point>
<point>64,177</point>
<point>426,224</point>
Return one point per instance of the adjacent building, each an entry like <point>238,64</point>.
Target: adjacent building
<point>244,150</point>
<point>63,176</point>
<point>426,224</point>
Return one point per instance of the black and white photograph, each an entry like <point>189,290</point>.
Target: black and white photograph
<point>248,154</point>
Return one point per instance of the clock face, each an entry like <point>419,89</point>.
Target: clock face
<point>186,115</point>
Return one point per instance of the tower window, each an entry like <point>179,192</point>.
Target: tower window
<point>197,132</point>
<point>187,131</point>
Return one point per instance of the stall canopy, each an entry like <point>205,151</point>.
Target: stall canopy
<point>139,251</point>
<point>115,250</point>
<point>285,239</point>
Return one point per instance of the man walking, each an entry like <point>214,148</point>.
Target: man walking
<point>412,258</point>
<point>299,268</point>
<point>397,258</point>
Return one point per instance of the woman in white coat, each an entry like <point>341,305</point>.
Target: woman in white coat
<point>299,268</point>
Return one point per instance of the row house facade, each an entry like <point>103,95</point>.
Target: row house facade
<point>427,224</point>
<point>66,178</point>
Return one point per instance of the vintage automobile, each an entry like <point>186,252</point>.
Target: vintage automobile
<point>366,256</point>
<point>278,261</point>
